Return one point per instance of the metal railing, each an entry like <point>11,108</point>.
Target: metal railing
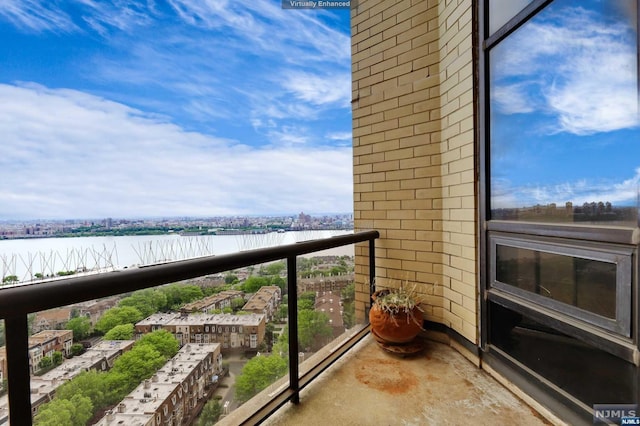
<point>17,302</point>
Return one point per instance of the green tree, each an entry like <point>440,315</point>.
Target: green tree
<point>258,373</point>
<point>348,293</point>
<point>230,278</point>
<point>305,305</point>
<point>282,312</point>
<point>162,341</point>
<point>57,358</point>
<point>77,349</point>
<point>91,384</point>
<point>10,279</point>
<point>338,270</point>
<point>313,329</point>
<point>253,284</point>
<point>74,412</point>
<point>237,303</point>
<point>279,281</point>
<point>45,362</point>
<point>146,301</point>
<point>349,314</point>
<point>138,364</point>
<point>81,326</point>
<point>179,294</point>
<point>120,332</point>
<point>210,413</point>
<point>308,295</point>
<point>274,268</point>
<point>118,316</point>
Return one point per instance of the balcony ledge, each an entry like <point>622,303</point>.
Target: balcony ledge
<point>439,386</point>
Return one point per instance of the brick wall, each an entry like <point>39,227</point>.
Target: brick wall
<point>413,153</point>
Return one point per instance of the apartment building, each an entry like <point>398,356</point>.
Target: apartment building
<point>169,397</point>
<point>52,319</point>
<point>329,303</point>
<point>265,301</point>
<point>94,309</point>
<point>233,332</point>
<point>333,283</point>
<point>212,303</point>
<point>100,358</point>
<point>46,342</point>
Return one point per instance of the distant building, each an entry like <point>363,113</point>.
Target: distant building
<point>330,304</point>
<point>52,319</point>
<point>94,309</point>
<point>46,342</point>
<point>334,283</point>
<point>265,301</point>
<point>169,397</point>
<point>43,388</point>
<point>215,302</point>
<point>233,332</point>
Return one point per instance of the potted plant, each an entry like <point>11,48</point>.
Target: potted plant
<point>395,316</point>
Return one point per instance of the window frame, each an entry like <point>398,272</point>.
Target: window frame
<point>621,256</point>
<point>588,236</point>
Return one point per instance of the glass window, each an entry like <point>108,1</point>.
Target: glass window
<point>501,11</point>
<point>569,277</point>
<point>564,122</point>
<point>585,283</point>
<point>587,372</point>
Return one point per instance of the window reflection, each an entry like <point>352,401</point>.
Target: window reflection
<point>501,11</point>
<point>564,116</point>
<point>579,368</point>
<point>585,283</point>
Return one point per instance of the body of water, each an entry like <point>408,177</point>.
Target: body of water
<point>47,256</point>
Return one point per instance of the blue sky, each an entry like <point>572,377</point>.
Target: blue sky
<point>129,108</point>
<point>565,119</point>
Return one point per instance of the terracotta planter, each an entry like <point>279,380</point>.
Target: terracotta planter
<point>400,329</point>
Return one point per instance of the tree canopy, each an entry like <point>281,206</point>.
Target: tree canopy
<point>313,329</point>
<point>120,332</point>
<point>73,412</point>
<point>118,316</point>
<point>258,373</point>
<point>80,326</point>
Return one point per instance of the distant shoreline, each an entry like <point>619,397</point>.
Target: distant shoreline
<point>151,232</point>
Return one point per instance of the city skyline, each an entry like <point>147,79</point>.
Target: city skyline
<point>127,109</point>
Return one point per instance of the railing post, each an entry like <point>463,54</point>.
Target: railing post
<point>19,381</point>
<point>372,271</point>
<point>292,291</point>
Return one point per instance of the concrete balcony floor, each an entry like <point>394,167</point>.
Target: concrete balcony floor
<point>438,386</point>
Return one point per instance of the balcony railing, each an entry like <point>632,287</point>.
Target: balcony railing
<point>16,302</point>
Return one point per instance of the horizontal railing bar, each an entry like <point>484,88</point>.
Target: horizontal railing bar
<point>35,297</point>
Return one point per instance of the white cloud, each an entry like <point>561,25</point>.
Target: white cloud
<point>33,15</point>
<point>506,195</point>
<point>574,66</point>
<point>70,154</point>
<point>319,90</point>
<point>340,136</point>
<point>512,99</point>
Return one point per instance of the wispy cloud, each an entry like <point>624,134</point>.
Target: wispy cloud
<point>36,16</point>
<point>66,148</point>
<point>178,107</point>
<point>557,66</point>
<point>507,195</point>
